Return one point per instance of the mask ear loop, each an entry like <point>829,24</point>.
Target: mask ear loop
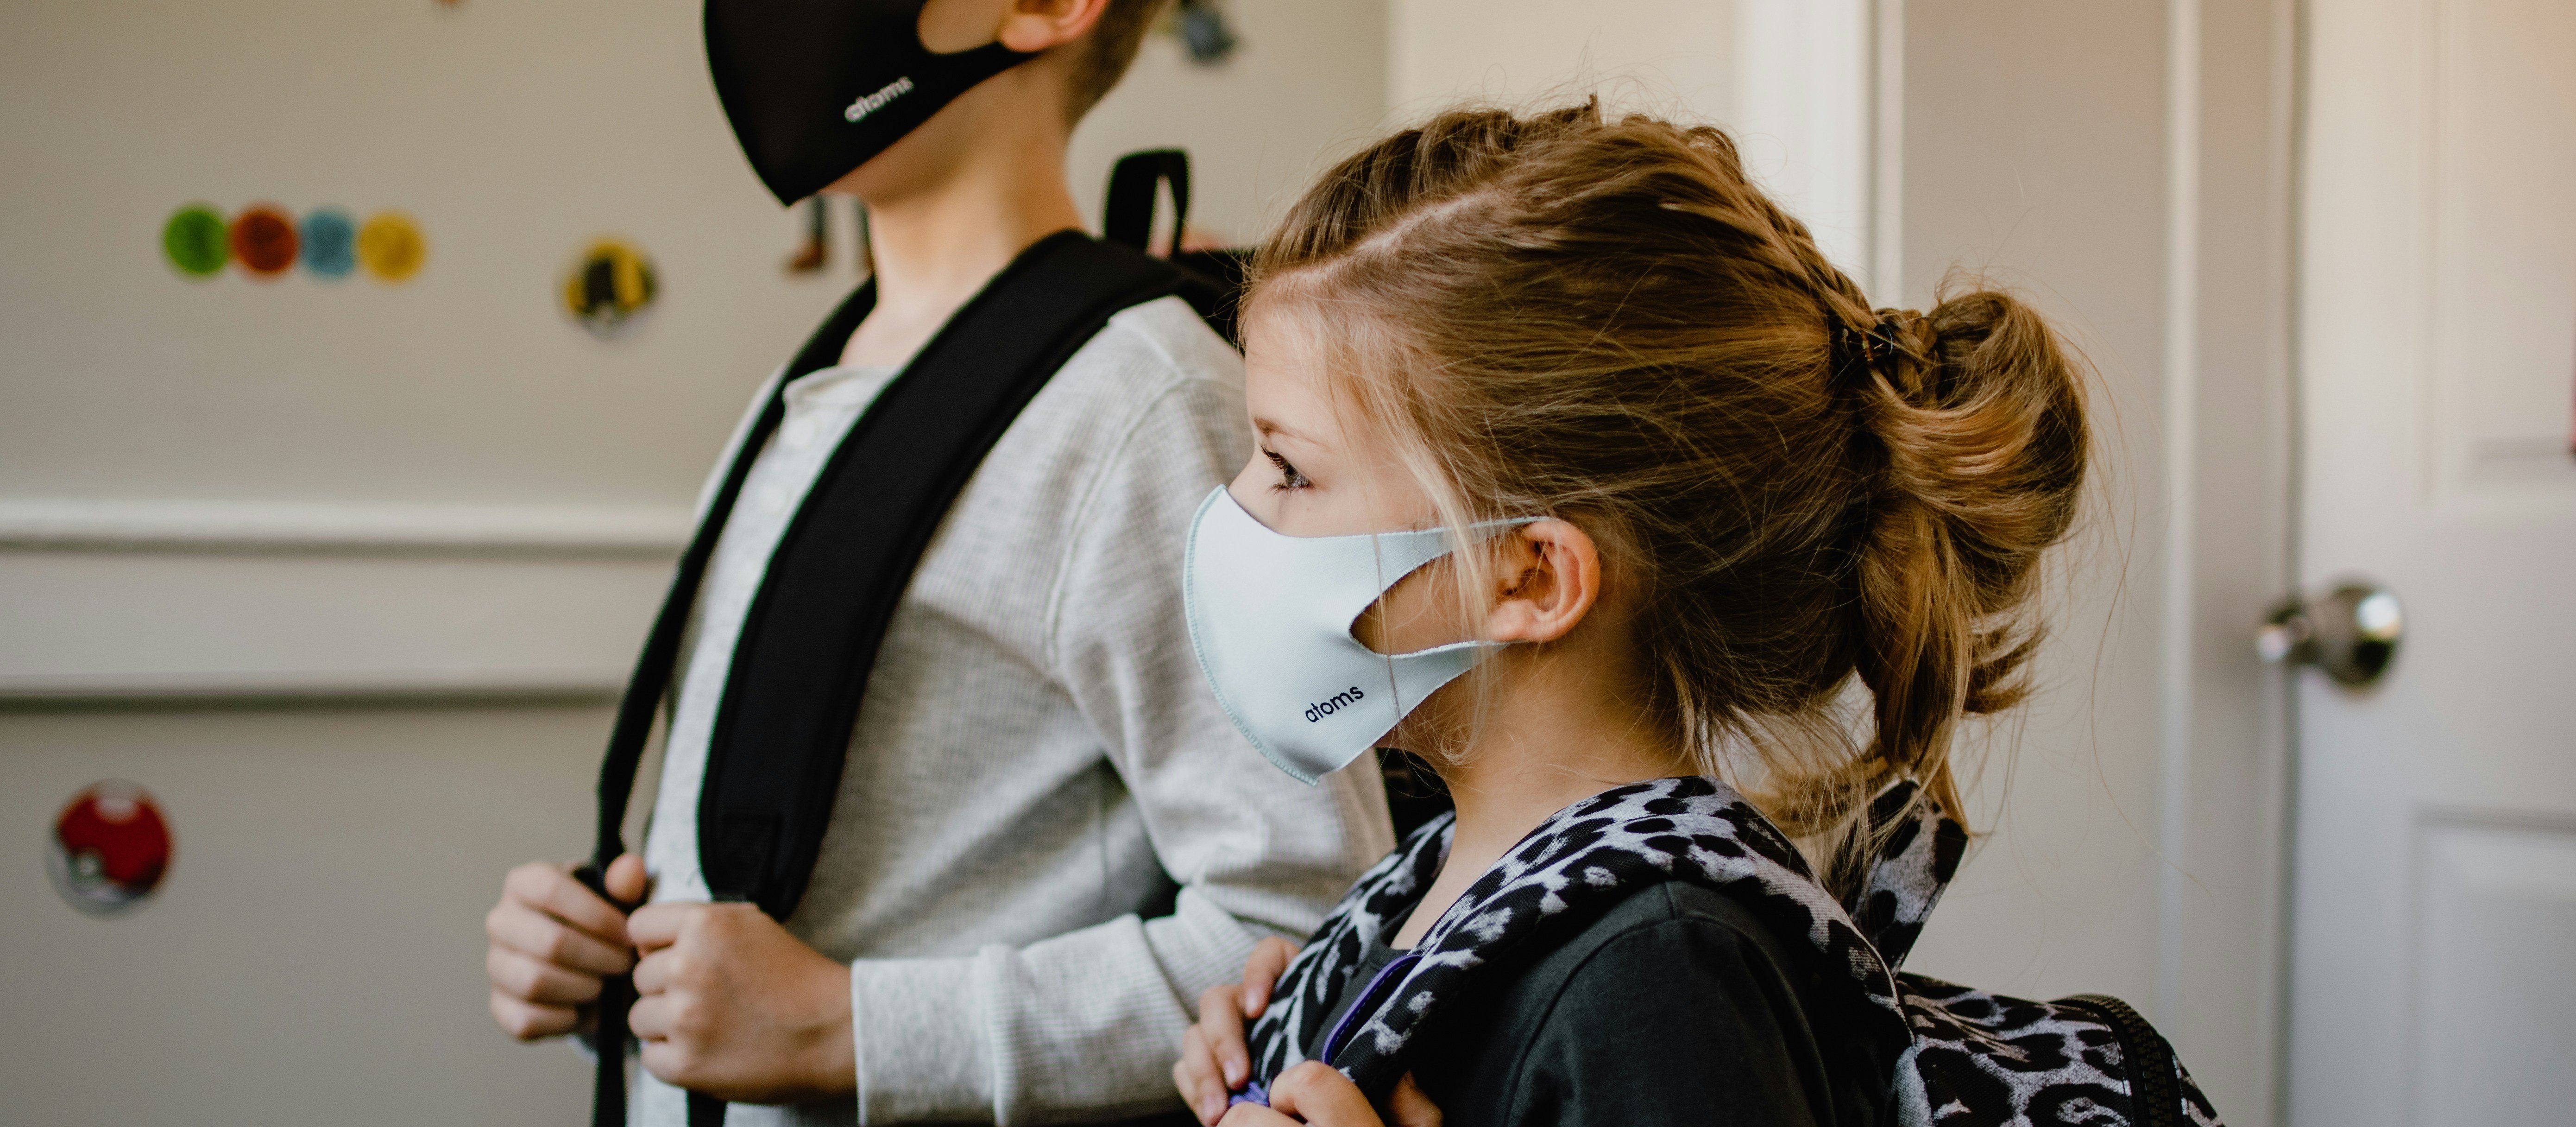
<point>1395,687</point>
<point>1377,557</point>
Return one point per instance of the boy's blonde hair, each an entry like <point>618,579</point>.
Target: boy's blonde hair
<point>1607,322</point>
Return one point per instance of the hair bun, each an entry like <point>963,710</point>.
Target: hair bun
<point>1982,445</point>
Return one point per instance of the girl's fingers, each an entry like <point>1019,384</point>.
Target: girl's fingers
<point>1317,1094</point>
<point>1187,1084</point>
<point>1412,1108</point>
<point>1196,1075</point>
<point>1254,1115</point>
<point>1261,972</point>
<point>1221,1026</point>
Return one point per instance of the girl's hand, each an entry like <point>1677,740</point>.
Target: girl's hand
<point>1313,1093</point>
<point>1215,1062</point>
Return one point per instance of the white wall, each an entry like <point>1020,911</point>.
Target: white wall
<point>316,954</point>
<point>2125,166</point>
<point>1791,79</point>
<point>1307,84</point>
<point>1648,54</point>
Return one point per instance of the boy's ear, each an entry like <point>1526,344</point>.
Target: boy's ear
<point>1031,26</point>
<point>1547,578</point>
<point>1036,25</point>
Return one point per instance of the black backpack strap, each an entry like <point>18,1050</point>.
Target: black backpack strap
<point>1213,280</point>
<point>647,686</point>
<point>810,638</point>
<point>1127,216</point>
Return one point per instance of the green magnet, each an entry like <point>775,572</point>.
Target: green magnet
<point>197,241</point>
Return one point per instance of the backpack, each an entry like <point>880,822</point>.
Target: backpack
<point>1972,1059</point>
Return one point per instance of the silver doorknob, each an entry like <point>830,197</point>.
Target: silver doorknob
<point>2352,634</point>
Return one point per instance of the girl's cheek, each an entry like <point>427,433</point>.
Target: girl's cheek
<point>1420,612</point>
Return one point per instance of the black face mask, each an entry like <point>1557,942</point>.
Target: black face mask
<point>816,87</point>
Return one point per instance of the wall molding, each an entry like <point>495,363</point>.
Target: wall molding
<point>394,689</point>
<point>306,527</point>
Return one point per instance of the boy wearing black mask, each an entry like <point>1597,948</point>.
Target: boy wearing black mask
<point>1030,832</point>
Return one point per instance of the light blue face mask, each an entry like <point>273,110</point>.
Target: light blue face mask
<point>1270,616</point>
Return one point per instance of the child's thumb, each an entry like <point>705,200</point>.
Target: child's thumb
<point>625,879</point>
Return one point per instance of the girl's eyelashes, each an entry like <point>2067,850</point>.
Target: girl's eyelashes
<point>1289,478</point>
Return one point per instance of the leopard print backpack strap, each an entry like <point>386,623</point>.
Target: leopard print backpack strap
<point>1986,1060</point>
<point>1918,847</point>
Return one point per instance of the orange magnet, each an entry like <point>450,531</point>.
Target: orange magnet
<point>263,241</point>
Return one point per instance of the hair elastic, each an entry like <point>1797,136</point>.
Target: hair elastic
<point>1858,352</point>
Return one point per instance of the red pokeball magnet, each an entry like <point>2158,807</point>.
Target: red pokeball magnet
<point>111,848</point>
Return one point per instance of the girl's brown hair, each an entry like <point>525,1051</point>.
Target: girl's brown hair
<point>1607,322</point>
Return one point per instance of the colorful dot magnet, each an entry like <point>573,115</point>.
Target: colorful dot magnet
<point>263,241</point>
<point>608,287</point>
<point>330,240</point>
<point>110,849</point>
<point>196,242</point>
<point>391,247</point>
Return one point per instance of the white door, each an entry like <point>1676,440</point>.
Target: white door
<point>2434,918</point>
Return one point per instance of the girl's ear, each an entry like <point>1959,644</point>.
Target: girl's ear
<point>1548,576</point>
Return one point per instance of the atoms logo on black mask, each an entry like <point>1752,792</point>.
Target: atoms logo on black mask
<point>1338,702</point>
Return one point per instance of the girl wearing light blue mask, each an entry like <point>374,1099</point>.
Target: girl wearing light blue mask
<point>1584,477</point>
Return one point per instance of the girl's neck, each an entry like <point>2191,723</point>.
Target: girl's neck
<point>1554,732</point>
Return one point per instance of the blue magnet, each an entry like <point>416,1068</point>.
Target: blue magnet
<point>330,242</point>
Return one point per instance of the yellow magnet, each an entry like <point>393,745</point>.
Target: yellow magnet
<point>391,247</point>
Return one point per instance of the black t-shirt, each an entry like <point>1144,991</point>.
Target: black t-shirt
<point>1677,1007</point>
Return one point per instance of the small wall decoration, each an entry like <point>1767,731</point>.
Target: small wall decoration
<point>1203,30</point>
<point>815,252</point>
<point>196,241</point>
<point>110,850</point>
<point>266,242</point>
<point>608,287</point>
<point>391,247</point>
<point>263,241</point>
<point>330,241</point>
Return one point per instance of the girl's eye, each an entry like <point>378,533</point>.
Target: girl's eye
<point>1289,478</point>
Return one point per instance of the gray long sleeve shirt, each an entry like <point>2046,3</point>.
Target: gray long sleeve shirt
<point>1036,761</point>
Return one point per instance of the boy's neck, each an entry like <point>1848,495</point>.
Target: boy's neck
<point>937,237</point>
